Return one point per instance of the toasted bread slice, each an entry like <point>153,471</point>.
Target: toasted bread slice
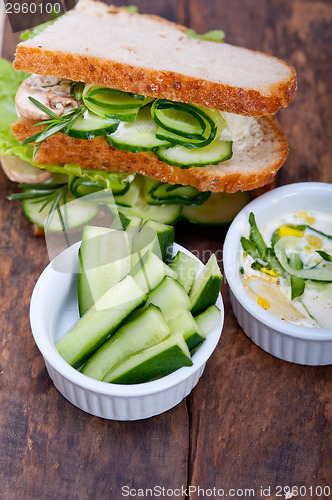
<point>249,168</point>
<point>96,43</point>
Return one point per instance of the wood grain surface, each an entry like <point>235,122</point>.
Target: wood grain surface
<point>253,421</point>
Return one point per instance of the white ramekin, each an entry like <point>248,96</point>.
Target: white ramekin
<point>303,345</point>
<point>53,310</point>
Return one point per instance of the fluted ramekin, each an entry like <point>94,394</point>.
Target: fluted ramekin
<point>54,309</point>
<point>298,344</point>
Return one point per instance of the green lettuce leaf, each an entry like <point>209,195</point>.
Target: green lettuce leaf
<point>211,36</point>
<point>10,80</point>
<point>27,34</point>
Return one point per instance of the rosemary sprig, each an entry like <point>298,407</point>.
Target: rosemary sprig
<point>55,124</point>
<point>54,195</point>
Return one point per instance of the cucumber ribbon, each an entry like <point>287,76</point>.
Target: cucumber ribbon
<point>321,272</point>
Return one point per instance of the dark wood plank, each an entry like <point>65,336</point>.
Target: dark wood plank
<point>268,422</point>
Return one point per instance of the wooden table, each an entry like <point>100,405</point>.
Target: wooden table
<point>253,421</point>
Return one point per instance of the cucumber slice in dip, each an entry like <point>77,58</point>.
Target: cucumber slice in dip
<point>322,272</point>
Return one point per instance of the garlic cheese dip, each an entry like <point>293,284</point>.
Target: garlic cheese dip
<point>286,267</point>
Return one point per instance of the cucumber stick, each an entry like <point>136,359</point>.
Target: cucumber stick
<point>149,271</point>
<point>206,287</point>
<point>100,321</point>
<point>208,320</point>
<point>105,260</point>
<point>186,269</point>
<point>152,363</point>
<point>182,321</point>
<point>146,330</point>
<point>154,236</point>
<point>168,295</point>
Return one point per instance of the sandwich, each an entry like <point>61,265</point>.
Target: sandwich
<point>117,98</point>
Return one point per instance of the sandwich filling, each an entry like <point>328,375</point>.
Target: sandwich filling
<point>179,134</point>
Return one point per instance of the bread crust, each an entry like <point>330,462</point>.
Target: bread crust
<point>245,171</point>
<point>159,84</point>
<point>155,82</point>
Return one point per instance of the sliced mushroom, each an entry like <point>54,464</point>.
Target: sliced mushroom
<point>23,172</point>
<point>53,92</point>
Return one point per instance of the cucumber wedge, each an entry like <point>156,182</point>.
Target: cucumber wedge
<point>206,287</point>
<point>179,156</point>
<point>100,321</point>
<point>208,320</point>
<point>152,363</point>
<point>105,260</point>
<point>220,209</point>
<point>182,321</point>
<point>186,269</point>
<point>146,330</point>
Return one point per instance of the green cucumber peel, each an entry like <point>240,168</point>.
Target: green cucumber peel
<point>322,272</point>
<point>326,256</point>
<point>297,284</point>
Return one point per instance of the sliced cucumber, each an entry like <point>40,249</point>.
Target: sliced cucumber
<point>146,330</point>
<point>219,209</point>
<point>186,269</point>
<point>92,126</point>
<point>74,213</point>
<point>114,98</point>
<point>184,124</point>
<point>127,115</point>
<point>168,214</point>
<point>149,271</point>
<point>130,197</point>
<point>214,153</point>
<point>152,363</point>
<point>209,319</point>
<point>91,181</point>
<point>182,321</point>
<point>162,193</point>
<point>168,296</point>
<point>105,260</point>
<point>206,287</point>
<point>104,317</point>
<point>138,136</point>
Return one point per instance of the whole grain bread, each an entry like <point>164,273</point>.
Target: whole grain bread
<point>249,168</point>
<point>96,43</point>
